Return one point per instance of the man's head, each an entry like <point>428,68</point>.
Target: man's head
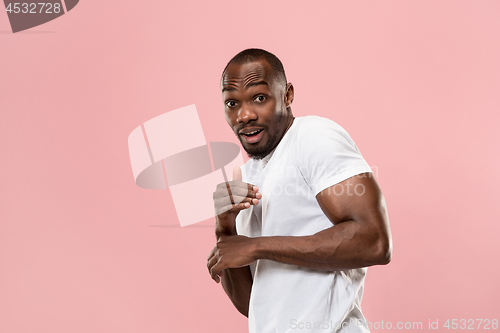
<point>257,100</point>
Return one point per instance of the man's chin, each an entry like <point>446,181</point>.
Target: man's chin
<point>257,154</point>
<point>255,157</point>
<point>256,151</point>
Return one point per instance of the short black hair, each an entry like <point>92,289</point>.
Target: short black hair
<point>250,55</point>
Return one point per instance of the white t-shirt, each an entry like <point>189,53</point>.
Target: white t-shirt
<point>314,154</point>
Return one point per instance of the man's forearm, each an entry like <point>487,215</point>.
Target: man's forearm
<point>346,245</point>
<point>237,283</point>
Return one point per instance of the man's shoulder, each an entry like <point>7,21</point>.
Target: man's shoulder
<point>316,126</point>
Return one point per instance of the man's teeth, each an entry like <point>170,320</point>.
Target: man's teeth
<point>252,133</point>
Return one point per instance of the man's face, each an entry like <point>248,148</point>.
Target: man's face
<point>255,106</point>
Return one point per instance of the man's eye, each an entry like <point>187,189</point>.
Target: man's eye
<point>231,103</point>
<point>260,98</point>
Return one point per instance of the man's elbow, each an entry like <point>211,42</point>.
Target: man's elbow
<point>243,309</point>
<point>383,251</point>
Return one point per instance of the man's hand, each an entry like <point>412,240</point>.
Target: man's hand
<point>230,252</point>
<point>229,199</point>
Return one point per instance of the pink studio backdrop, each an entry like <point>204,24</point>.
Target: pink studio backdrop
<point>84,249</point>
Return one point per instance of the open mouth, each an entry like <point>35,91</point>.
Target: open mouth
<point>252,137</point>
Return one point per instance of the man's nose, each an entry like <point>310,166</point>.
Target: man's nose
<point>246,114</point>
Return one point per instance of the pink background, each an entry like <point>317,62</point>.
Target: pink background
<point>83,249</point>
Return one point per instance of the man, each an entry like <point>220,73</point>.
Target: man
<point>298,225</point>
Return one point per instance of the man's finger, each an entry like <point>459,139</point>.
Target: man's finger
<point>232,189</point>
<point>237,200</point>
<point>212,252</point>
<point>216,270</point>
<point>211,263</point>
<point>236,183</point>
<point>235,191</point>
<point>237,173</point>
<point>236,176</point>
<point>236,207</point>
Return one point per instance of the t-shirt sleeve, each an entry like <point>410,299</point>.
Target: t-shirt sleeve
<point>326,154</point>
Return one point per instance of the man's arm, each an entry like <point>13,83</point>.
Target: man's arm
<point>360,235</point>
<point>236,282</point>
<point>229,199</point>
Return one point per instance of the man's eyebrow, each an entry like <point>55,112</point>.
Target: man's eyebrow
<point>255,83</point>
<point>228,89</point>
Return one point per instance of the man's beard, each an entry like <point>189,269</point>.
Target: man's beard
<point>273,139</point>
<point>260,152</point>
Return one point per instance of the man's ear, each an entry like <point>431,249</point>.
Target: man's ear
<point>289,95</point>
